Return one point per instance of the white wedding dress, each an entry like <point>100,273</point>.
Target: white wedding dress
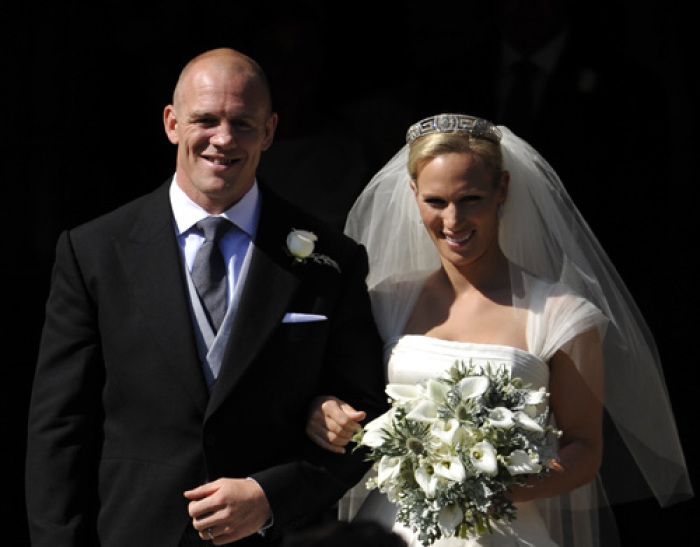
<point>555,317</point>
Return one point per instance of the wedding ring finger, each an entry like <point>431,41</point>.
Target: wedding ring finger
<point>211,536</point>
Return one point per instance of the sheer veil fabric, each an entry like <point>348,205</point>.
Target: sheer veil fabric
<point>544,236</point>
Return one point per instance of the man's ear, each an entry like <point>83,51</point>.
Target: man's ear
<point>170,124</point>
<point>270,128</point>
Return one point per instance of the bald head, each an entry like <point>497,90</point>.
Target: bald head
<point>225,60</point>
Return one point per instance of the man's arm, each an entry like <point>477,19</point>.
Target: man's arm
<point>64,415</point>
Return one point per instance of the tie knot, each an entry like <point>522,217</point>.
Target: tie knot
<point>213,227</point>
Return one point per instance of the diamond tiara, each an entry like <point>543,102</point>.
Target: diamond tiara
<point>454,123</point>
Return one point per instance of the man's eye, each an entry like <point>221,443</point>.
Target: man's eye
<point>205,121</point>
<point>241,125</point>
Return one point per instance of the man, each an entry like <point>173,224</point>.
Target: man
<point>150,424</point>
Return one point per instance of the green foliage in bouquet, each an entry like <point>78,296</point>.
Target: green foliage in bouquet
<point>448,450</point>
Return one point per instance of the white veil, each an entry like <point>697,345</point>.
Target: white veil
<point>542,232</point>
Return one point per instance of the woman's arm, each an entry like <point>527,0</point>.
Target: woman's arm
<point>576,387</point>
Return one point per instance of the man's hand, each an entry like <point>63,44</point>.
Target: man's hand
<point>227,510</point>
<point>332,423</point>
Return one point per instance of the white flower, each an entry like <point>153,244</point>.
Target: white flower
<point>473,386</point>
<point>436,390</point>
<point>427,479</point>
<point>520,463</point>
<point>374,432</point>
<point>450,468</point>
<point>535,397</point>
<point>388,469</point>
<point>403,392</point>
<point>483,457</point>
<point>449,431</point>
<point>301,243</point>
<point>449,517</point>
<point>424,411</point>
<point>501,417</point>
<point>526,422</point>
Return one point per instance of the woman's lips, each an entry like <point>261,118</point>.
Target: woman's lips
<point>458,240</point>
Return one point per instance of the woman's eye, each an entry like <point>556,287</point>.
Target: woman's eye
<point>434,202</point>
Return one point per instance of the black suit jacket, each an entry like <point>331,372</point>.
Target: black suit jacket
<point>121,422</point>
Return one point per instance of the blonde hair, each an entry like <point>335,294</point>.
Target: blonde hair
<point>438,144</point>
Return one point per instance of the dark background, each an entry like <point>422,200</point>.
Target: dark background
<point>84,86</point>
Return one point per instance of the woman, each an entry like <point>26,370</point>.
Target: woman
<point>476,252</point>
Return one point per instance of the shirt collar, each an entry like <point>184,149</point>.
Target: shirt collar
<point>187,213</point>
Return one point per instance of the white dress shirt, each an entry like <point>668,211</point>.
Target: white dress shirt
<point>236,247</point>
<point>234,244</point>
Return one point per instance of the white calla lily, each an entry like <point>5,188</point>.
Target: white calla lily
<point>483,457</point>
<point>449,517</point>
<point>374,434</point>
<point>427,479</point>
<point>388,469</point>
<point>536,397</point>
<point>473,386</point>
<point>436,390</point>
<point>424,411</point>
<point>526,422</point>
<point>501,417</point>
<point>450,468</point>
<point>521,463</point>
<point>403,392</point>
<point>449,431</point>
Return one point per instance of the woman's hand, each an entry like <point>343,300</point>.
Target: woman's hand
<point>332,423</point>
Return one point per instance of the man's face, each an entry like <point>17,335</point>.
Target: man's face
<point>221,124</point>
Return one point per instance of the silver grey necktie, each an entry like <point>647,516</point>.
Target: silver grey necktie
<point>209,270</point>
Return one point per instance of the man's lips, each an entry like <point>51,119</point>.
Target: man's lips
<point>220,160</point>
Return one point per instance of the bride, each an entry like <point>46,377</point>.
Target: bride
<point>476,252</point>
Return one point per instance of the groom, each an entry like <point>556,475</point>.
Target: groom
<point>150,424</point>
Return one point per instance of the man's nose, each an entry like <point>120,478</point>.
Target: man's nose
<point>224,136</point>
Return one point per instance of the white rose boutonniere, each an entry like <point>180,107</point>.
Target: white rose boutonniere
<point>301,245</point>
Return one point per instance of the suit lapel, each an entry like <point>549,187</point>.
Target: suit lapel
<point>151,260</point>
<point>268,291</point>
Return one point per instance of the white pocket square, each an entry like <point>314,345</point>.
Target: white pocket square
<point>302,318</point>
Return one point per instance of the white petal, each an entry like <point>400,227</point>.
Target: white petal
<point>381,422</point>
<point>483,457</point>
<point>525,422</point>
<point>473,386</point>
<point>501,417</point>
<point>424,411</point>
<point>403,392</point>
<point>535,397</point>
<point>388,469</point>
<point>426,480</point>
<point>450,469</point>
<point>437,390</point>
<point>519,463</point>
<point>301,243</point>
<point>449,517</point>
<point>449,431</point>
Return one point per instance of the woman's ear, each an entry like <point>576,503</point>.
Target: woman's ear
<point>414,186</point>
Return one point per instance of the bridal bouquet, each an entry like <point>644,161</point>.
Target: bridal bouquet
<point>447,451</point>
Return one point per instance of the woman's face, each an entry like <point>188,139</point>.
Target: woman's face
<point>458,202</point>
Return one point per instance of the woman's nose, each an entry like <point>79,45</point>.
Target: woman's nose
<point>451,216</point>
